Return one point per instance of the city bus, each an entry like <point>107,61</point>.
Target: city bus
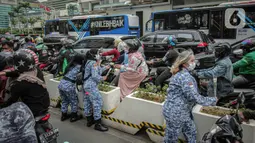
<point>82,26</point>
<point>210,20</point>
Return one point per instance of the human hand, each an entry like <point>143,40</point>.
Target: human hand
<point>118,66</point>
<point>104,78</point>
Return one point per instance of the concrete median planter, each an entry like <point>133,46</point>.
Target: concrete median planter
<point>204,123</point>
<point>134,113</point>
<point>53,92</point>
<point>111,100</point>
<point>47,78</point>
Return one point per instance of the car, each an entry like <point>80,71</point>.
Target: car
<point>106,42</point>
<point>54,40</point>
<point>155,43</point>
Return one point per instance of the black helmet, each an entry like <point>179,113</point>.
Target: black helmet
<point>78,59</point>
<point>28,39</point>
<point>91,54</point>
<point>66,42</point>
<point>23,60</point>
<point>222,50</point>
<point>133,45</point>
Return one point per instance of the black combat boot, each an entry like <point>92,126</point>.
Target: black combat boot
<point>90,121</point>
<point>64,116</point>
<point>100,127</point>
<point>74,117</point>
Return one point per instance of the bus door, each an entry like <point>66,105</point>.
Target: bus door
<point>155,25</point>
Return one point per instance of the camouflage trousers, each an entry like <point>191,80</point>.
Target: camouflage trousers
<point>174,128</point>
<point>93,102</point>
<point>69,98</point>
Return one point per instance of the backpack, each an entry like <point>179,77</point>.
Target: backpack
<point>80,76</point>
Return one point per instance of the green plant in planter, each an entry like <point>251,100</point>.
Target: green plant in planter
<point>152,93</point>
<point>105,87</point>
<point>217,111</point>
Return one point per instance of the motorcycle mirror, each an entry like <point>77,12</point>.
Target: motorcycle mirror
<point>238,52</point>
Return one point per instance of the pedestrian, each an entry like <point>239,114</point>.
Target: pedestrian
<point>182,95</point>
<point>67,89</point>
<point>92,99</point>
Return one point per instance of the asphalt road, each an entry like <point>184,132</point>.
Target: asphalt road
<point>78,132</point>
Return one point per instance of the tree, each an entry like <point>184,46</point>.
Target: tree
<point>71,8</point>
<point>32,21</point>
<point>14,22</point>
<point>16,12</point>
<point>26,7</point>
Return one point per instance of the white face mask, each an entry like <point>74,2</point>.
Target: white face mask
<point>98,57</point>
<point>191,66</point>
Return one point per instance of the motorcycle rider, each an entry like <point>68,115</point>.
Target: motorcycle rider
<point>64,56</point>
<point>27,87</point>
<point>169,58</point>
<point>245,66</point>
<point>29,44</point>
<point>114,51</point>
<point>41,50</point>
<point>223,71</point>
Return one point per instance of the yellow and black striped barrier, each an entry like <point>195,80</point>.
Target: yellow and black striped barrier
<point>162,134</point>
<point>153,126</point>
<point>54,100</point>
<point>122,122</point>
<point>104,112</point>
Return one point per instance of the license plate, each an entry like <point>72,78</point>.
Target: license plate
<point>49,136</point>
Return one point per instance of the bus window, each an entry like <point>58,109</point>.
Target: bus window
<point>216,23</point>
<point>201,19</point>
<point>148,27</point>
<point>250,13</point>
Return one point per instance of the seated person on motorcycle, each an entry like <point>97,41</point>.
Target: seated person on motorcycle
<point>7,48</point>
<point>27,87</point>
<point>41,50</point>
<point>223,71</point>
<point>114,51</point>
<point>245,66</point>
<point>64,57</point>
<point>29,44</point>
<point>169,58</point>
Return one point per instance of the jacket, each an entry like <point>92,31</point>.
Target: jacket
<point>93,75</point>
<point>246,65</point>
<point>168,59</point>
<point>114,52</point>
<point>66,85</point>
<point>42,52</point>
<point>223,71</point>
<point>182,95</point>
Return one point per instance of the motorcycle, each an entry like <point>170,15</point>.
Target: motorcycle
<point>44,130</point>
<point>228,128</point>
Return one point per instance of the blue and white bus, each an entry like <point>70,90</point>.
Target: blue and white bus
<point>82,26</point>
<point>210,20</point>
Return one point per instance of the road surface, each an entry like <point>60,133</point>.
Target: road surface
<point>78,132</point>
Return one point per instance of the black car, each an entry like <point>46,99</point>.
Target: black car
<point>155,44</point>
<point>54,40</point>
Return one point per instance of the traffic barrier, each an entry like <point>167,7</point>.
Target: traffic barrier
<point>53,92</point>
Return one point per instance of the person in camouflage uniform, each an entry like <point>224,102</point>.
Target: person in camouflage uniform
<point>182,95</point>
<point>67,89</point>
<point>92,99</point>
<point>223,71</point>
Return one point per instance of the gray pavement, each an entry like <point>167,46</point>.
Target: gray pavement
<point>79,133</point>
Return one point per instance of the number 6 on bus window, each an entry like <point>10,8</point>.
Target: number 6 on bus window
<point>235,18</point>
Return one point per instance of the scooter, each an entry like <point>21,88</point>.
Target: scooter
<point>44,130</point>
<point>228,128</point>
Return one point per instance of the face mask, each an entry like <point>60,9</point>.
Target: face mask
<point>191,66</point>
<point>98,57</point>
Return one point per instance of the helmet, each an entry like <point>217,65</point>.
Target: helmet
<point>39,40</point>
<point>248,45</point>
<point>122,46</point>
<point>23,60</point>
<point>28,39</point>
<point>116,42</point>
<point>133,45</point>
<point>66,42</point>
<point>172,41</point>
<point>222,50</point>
